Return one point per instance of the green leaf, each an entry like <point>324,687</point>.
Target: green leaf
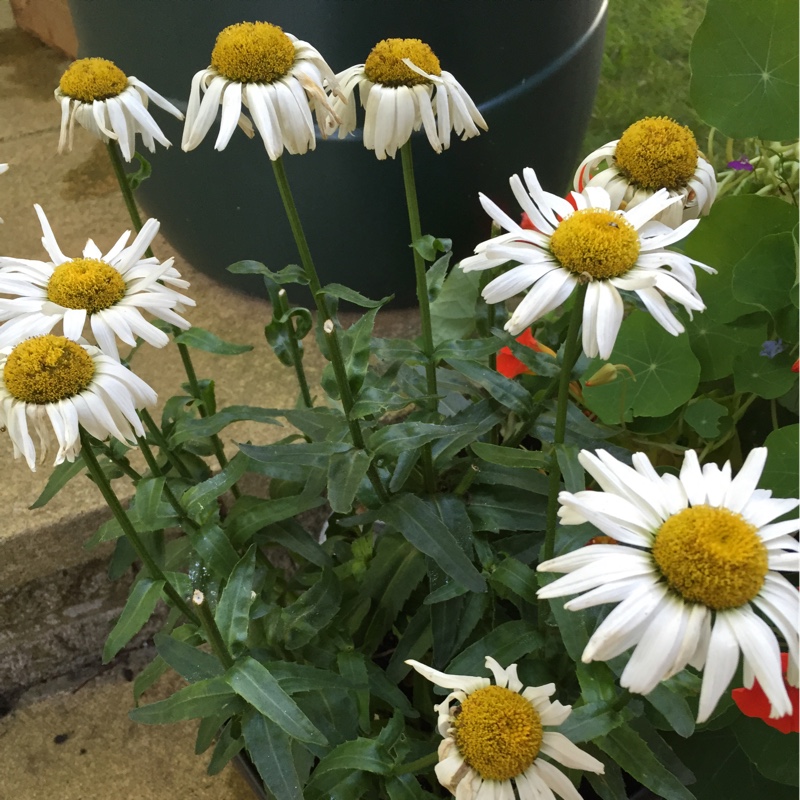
<point>507,392</point>
<point>405,787</point>
<point>511,575</point>
<point>571,470</point>
<point>254,683</point>
<point>60,476</point>
<point>744,68</point>
<point>345,473</point>
<point>214,547</point>
<point>774,753</point>
<point>138,608</point>
<point>189,662</point>
<point>362,755</point>
<point>453,311</point>
<point>271,751</point>
<point>296,539</point>
<point>504,507</point>
<point>393,440</point>
<point>765,276</point>
<point>313,611</point>
<point>202,498</point>
<point>293,273</point>
<point>421,526</point>
<point>766,377</point>
<point>590,721</point>
<point>665,370</point>
<point>147,677</point>
<point>629,750</point>
<point>704,416</point>
<point>201,699</point>
<point>136,179</point>
<point>353,668</point>
<point>780,472</point>
<point>715,346</point>
<point>226,748</point>
<point>390,693</point>
<point>233,610</point>
<point>295,677</point>
<point>733,227</point>
<point>507,643</point>
<point>148,499</point>
<point>509,456</point>
<point>352,296</point>
<point>467,349</point>
<point>434,277</point>
<point>248,518</point>
<point>314,454</point>
<point>202,339</point>
<point>188,428</point>
<point>428,246</point>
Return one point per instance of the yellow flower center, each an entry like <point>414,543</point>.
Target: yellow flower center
<point>86,283</point>
<point>47,369</point>
<point>89,79</point>
<point>711,556</point>
<point>657,152</point>
<point>253,52</point>
<point>602,244</point>
<point>498,732</point>
<point>385,65</point>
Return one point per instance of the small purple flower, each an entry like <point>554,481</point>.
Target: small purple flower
<point>771,348</point>
<point>742,164</point>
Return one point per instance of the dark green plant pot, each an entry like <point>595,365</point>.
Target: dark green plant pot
<point>532,66</point>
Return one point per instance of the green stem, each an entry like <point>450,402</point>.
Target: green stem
<point>571,353</point>
<point>136,219</point>
<point>346,395</point>
<point>424,304</point>
<point>211,630</point>
<point>113,503</point>
<point>299,236</point>
<point>417,766</point>
<point>294,349</point>
<point>126,468</point>
<point>161,442</point>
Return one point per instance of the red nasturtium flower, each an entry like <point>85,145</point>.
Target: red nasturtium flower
<point>753,703</point>
<point>795,366</point>
<point>510,366</point>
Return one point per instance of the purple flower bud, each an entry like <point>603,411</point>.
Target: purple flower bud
<point>742,164</point>
<point>771,348</point>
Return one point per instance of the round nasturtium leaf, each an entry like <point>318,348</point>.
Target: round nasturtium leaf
<point>766,377</point>
<point>715,346</point>
<point>665,370</point>
<point>766,275</point>
<point>744,68</point>
<point>780,473</point>
<point>704,416</point>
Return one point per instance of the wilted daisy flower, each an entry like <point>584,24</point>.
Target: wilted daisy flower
<point>98,95</point>
<point>109,290</point>
<point>580,241</point>
<point>278,77</point>
<point>494,736</point>
<point>654,153</point>
<point>697,557</point>
<point>403,88</point>
<point>53,382</point>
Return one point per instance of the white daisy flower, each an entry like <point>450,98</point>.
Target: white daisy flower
<point>403,88</point>
<point>99,96</point>
<point>653,153</point>
<point>697,557</point>
<point>53,382</point>
<point>278,77</point>
<point>110,291</point>
<point>495,737</point>
<point>582,240</point>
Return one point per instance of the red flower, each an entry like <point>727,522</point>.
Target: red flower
<point>510,366</point>
<point>795,366</point>
<point>753,703</point>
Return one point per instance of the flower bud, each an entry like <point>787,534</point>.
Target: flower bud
<point>608,373</point>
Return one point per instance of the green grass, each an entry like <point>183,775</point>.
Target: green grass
<point>645,69</point>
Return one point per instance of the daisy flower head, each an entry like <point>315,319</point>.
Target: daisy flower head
<point>99,96</point>
<point>695,574</point>
<point>54,383</point>
<point>652,154</point>
<point>403,88</point>
<point>495,735</point>
<point>108,291</point>
<point>582,240</point>
<point>275,75</point>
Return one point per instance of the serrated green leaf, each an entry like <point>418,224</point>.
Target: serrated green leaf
<point>509,456</point>
<point>138,609</point>
<point>201,499</point>
<point>362,755</point>
<point>59,477</point>
<point>418,522</point>
<point>189,662</point>
<point>501,507</point>
<point>254,683</point>
<point>271,751</point>
<point>392,440</point>
<point>214,547</point>
<point>293,273</point>
<point>507,392</point>
<point>148,499</point>
<point>188,428</point>
<point>225,749</point>
<point>313,611</point>
<point>591,721</point>
<point>247,519</point>
<point>345,473</point>
<point>296,539</point>
<point>513,576</point>
<point>341,292</point>
<point>209,342</point>
<point>744,68</point>
<point>453,311</point>
<point>233,610</point>
<point>201,699</point>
